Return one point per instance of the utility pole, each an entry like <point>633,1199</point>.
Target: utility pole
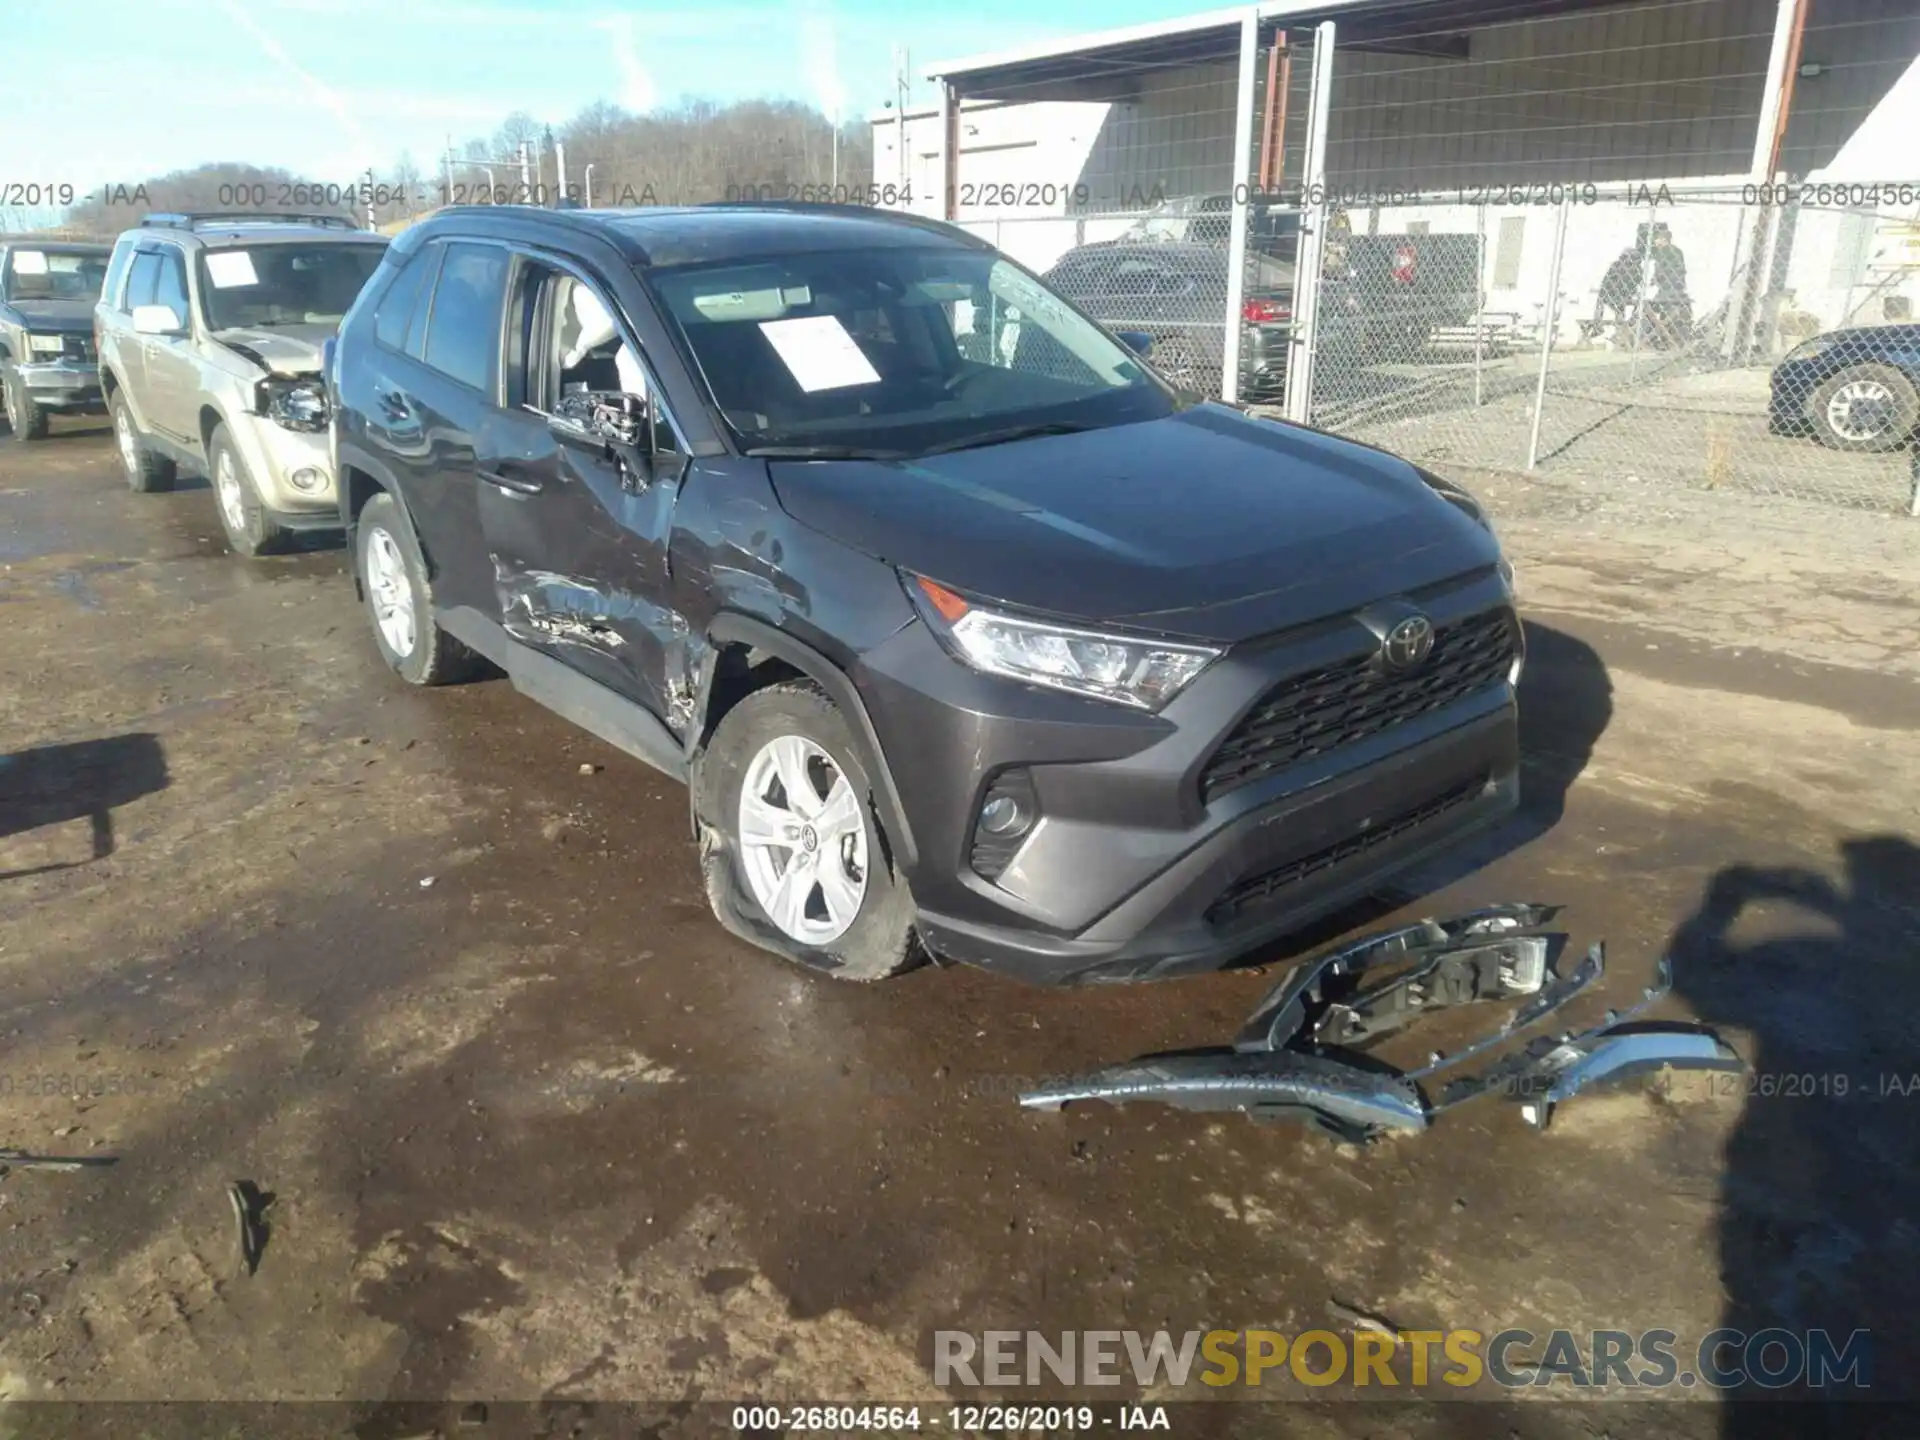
<point>901,61</point>
<point>446,189</point>
<point>526,169</point>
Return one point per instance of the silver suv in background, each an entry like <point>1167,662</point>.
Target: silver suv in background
<point>209,330</point>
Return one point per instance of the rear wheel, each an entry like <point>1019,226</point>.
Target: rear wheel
<point>250,529</point>
<point>24,416</point>
<point>146,472</point>
<point>1864,407</point>
<point>399,597</point>
<point>794,857</point>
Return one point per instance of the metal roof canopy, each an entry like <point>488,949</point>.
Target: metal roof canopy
<point>1104,65</point>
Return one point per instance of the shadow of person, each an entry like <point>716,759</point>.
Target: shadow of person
<point>1817,1228</point>
<point>84,780</point>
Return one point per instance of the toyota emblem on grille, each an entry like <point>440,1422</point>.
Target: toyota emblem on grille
<point>1408,643</point>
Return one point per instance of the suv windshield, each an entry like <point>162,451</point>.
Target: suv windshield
<point>897,351</point>
<point>53,275</point>
<point>283,284</point>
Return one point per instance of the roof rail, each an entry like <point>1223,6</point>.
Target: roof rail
<point>212,219</point>
<point>870,212</point>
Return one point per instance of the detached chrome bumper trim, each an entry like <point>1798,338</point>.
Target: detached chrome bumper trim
<point>1295,1057</point>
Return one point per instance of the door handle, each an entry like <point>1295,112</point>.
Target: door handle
<point>393,405</point>
<point>511,478</point>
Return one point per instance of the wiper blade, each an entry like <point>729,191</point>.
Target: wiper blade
<point>822,452</point>
<point>1002,437</point>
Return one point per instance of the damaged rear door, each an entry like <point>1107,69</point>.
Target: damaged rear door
<point>577,534</point>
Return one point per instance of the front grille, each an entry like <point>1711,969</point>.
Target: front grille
<point>1323,709</point>
<point>1258,890</point>
<point>77,347</point>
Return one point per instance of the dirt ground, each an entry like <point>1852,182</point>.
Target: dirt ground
<point>434,971</point>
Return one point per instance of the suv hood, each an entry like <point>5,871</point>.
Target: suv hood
<point>1207,524</point>
<point>281,349</point>
<point>68,317</point>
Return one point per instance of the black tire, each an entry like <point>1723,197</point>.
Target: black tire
<point>146,472</point>
<point>436,658</point>
<point>24,416</point>
<point>1901,409</point>
<point>250,529</point>
<point>880,941</point>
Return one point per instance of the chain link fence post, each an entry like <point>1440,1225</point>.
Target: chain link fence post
<point>1548,329</point>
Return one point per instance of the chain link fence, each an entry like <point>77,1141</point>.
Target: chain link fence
<point>1736,339</point>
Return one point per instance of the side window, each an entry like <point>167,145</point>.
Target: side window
<point>574,345</point>
<point>143,279</point>
<point>170,288</point>
<point>394,312</point>
<point>416,345</point>
<point>117,268</point>
<point>463,330</point>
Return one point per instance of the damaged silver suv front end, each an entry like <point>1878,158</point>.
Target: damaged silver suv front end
<point>1305,1052</point>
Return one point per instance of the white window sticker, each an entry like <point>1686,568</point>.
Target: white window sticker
<point>229,269</point>
<point>819,352</point>
<point>29,262</point>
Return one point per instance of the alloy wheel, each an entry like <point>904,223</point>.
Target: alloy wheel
<point>391,592</point>
<point>803,840</point>
<point>226,483</point>
<point>123,434</point>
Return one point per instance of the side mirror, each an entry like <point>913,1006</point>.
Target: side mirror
<point>158,320</point>
<point>623,427</point>
<point>1138,341</point>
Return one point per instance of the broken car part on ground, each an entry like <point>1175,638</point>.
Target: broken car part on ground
<point>1303,1053</point>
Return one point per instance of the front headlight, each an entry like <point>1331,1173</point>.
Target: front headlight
<point>46,344</point>
<point>1460,499</point>
<point>1144,674</point>
<point>1467,505</point>
<point>301,405</point>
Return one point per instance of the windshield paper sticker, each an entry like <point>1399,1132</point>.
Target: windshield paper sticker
<point>29,262</point>
<point>230,269</point>
<point>819,352</point>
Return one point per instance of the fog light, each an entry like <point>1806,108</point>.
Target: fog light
<point>308,479</point>
<point>1007,816</point>
<point>1003,816</point>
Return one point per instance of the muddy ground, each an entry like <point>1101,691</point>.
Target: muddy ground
<point>434,971</point>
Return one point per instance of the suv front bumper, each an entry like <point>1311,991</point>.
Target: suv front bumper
<point>1128,874</point>
<point>293,470</point>
<point>69,386</point>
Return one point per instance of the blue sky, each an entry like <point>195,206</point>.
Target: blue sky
<point>121,89</point>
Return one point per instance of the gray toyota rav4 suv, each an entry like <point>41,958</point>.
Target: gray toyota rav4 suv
<point>969,634</point>
<point>209,331</point>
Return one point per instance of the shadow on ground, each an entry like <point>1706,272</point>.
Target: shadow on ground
<point>1817,1227</point>
<point>86,780</point>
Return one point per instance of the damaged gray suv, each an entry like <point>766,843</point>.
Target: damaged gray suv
<point>209,330</point>
<point>969,634</point>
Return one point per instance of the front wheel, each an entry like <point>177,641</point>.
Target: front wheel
<point>250,529</point>
<point>794,858</point>
<point>24,416</point>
